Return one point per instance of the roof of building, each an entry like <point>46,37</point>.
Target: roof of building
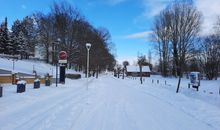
<point>137,69</point>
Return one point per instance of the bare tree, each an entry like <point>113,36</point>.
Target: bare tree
<point>65,22</point>
<point>141,62</point>
<point>178,25</point>
<point>184,27</point>
<point>209,56</point>
<point>45,32</point>
<point>161,36</point>
<point>125,64</point>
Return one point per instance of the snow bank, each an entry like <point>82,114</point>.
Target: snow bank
<point>28,66</point>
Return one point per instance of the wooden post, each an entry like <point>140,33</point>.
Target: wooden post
<point>165,82</point>
<point>152,81</point>
<point>157,81</point>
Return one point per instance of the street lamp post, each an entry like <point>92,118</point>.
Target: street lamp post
<point>13,62</point>
<point>88,46</point>
<point>58,40</point>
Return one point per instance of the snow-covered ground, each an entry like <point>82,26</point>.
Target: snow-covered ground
<point>111,104</point>
<point>209,91</point>
<point>27,66</point>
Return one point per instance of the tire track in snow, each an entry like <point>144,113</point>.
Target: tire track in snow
<point>47,112</point>
<point>107,110</point>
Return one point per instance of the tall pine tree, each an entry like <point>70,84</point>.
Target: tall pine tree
<point>5,44</point>
<point>30,34</point>
<point>15,38</point>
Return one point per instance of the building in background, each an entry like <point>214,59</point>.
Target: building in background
<point>134,71</point>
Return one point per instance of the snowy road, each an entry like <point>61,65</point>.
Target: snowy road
<point>110,104</point>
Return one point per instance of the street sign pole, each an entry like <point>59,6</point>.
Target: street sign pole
<point>56,73</point>
<point>62,62</point>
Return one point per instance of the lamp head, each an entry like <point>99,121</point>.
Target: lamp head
<point>88,46</point>
<point>58,39</point>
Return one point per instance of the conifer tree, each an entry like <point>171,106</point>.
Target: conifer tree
<point>5,44</point>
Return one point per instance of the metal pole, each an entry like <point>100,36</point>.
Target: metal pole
<point>56,50</point>
<point>56,73</point>
<point>13,64</point>
<point>87,75</point>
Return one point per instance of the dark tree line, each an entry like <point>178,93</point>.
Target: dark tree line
<point>64,22</point>
<point>64,28</point>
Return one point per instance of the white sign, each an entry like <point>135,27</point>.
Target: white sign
<point>62,61</point>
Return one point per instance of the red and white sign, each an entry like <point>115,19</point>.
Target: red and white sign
<point>62,57</point>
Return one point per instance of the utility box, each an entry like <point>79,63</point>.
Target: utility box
<point>194,80</point>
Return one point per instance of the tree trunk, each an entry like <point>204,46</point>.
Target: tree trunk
<point>97,72</point>
<point>47,55</point>
<point>123,73</point>
<point>118,73</point>
<point>141,74</point>
<point>178,86</point>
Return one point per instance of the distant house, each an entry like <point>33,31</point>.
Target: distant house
<point>39,52</point>
<point>134,71</point>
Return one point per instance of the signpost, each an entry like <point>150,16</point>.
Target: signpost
<point>62,57</point>
<point>62,61</point>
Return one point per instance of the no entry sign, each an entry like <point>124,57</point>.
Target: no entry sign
<point>62,57</point>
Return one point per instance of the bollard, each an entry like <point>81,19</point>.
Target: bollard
<point>157,81</point>
<point>165,82</point>
<point>47,82</point>
<point>152,81</point>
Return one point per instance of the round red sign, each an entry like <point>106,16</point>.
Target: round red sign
<point>62,55</point>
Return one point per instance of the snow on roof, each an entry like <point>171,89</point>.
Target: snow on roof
<point>137,69</point>
<point>194,72</point>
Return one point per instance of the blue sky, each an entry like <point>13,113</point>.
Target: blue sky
<point>129,21</point>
